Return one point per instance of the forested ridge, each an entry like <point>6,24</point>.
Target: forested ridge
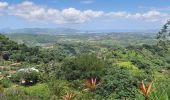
<point>85,71</point>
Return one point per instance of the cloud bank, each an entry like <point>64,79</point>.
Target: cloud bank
<point>151,15</point>
<point>33,12</point>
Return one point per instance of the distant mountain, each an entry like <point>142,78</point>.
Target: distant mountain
<point>67,31</point>
<point>40,30</point>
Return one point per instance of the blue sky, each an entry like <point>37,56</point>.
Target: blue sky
<point>85,14</point>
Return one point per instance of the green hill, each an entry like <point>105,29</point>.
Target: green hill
<point>91,71</point>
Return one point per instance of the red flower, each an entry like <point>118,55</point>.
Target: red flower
<point>69,96</point>
<point>145,89</point>
<point>91,84</point>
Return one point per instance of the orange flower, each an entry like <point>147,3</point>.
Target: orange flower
<point>91,84</point>
<point>145,89</point>
<point>69,96</point>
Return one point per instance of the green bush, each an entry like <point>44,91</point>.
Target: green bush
<point>40,91</point>
<point>36,92</point>
<point>118,82</point>
<point>14,94</point>
<point>160,89</point>
<point>83,67</point>
<point>6,83</point>
<point>59,87</point>
<point>26,76</point>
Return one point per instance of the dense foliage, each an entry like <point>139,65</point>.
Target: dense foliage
<point>83,67</point>
<point>82,71</point>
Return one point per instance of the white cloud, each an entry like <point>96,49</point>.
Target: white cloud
<point>152,15</point>
<point>77,16</point>
<point>87,1</point>
<point>3,5</point>
<point>31,11</point>
<point>28,10</point>
<point>117,14</point>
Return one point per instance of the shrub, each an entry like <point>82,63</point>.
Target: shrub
<point>13,94</point>
<point>83,67</point>
<point>59,87</point>
<point>27,76</point>
<point>40,91</point>
<point>119,82</point>
<point>6,83</point>
<point>161,90</point>
<point>18,57</point>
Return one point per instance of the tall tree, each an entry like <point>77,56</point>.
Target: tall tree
<point>164,32</point>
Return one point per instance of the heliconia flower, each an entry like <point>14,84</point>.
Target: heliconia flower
<point>69,96</point>
<point>91,84</point>
<point>145,89</point>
